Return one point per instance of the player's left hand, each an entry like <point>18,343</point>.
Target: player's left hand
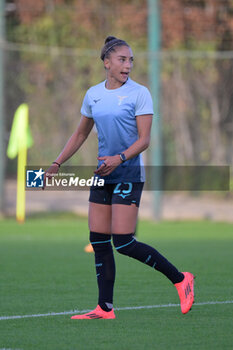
<point>109,164</point>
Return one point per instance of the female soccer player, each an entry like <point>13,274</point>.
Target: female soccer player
<point>122,111</point>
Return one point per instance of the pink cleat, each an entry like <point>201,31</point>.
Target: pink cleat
<point>185,290</point>
<point>95,314</point>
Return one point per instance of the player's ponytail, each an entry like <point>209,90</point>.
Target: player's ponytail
<point>110,38</point>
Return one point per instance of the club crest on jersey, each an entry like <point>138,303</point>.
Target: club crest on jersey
<point>120,99</point>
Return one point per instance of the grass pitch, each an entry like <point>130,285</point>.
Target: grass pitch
<point>45,269</point>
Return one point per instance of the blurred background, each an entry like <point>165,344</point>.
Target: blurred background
<point>50,56</point>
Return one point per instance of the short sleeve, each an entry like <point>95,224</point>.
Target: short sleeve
<point>144,103</point>
<point>86,109</point>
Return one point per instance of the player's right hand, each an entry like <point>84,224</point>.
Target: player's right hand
<point>50,172</point>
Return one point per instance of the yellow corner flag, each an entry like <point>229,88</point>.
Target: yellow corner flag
<point>20,140</point>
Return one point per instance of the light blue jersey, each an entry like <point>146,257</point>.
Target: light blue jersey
<point>114,113</point>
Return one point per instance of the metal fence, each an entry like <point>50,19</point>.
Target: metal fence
<point>196,100</point>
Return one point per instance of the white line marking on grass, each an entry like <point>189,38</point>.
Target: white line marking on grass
<point>71,312</point>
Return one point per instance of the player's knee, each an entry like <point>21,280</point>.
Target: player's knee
<point>124,243</point>
<point>100,242</point>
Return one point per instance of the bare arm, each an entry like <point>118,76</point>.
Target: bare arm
<point>144,123</point>
<point>73,144</point>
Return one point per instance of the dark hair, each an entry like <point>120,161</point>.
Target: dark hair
<point>109,45</point>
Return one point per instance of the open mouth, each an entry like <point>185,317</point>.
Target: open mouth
<point>124,74</point>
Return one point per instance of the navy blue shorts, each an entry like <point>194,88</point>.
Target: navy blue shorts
<point>126,193</point>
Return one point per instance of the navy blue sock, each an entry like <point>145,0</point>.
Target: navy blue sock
<point>126,244</point>
<point>105,268</point>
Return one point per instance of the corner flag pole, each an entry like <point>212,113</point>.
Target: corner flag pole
<point>20,140</point>
<point>21,180</point>
<point>154,43</point>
